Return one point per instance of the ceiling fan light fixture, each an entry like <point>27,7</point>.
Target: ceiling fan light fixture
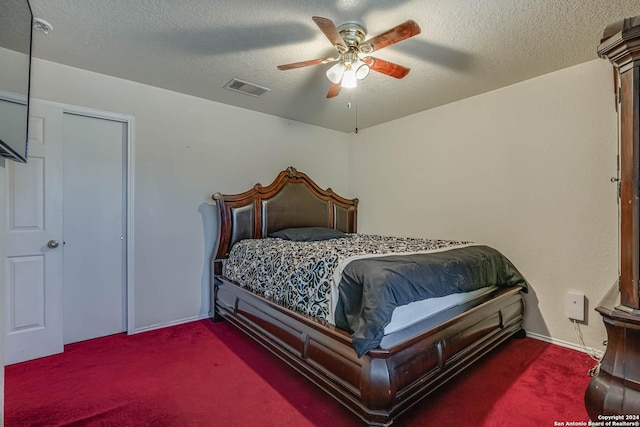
<point>362,69</point>
<point>349,78</point>
<point>334,74</point>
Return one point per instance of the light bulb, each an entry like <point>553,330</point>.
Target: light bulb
<point>334,74</point>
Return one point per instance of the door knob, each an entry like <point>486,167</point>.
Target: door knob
<point>52,244</point>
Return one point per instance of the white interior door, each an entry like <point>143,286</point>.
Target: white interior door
<point>33,262</point>
<point>94,227</point>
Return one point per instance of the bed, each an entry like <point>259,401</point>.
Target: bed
<point>379,381</point>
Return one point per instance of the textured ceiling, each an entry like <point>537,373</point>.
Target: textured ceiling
<point>466,47</point>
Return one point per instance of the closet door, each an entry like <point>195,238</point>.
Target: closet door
<point>94,227</point>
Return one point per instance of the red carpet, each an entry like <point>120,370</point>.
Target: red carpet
<point>204,374</point>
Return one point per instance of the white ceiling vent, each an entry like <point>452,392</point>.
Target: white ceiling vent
<point>246,88</point>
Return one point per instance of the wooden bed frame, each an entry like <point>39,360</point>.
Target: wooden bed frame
<point>384,382</point>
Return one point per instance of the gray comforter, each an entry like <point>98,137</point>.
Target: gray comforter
<point>371,288</point>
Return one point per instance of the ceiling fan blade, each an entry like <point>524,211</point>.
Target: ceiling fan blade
<point>398,33</point>
<point>306,63</point>
<point>386,67</point>
<point>331,31</point>
<point>334,90</point>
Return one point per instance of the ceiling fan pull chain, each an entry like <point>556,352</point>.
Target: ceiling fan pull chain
<point>349,104</point>
<point>356,116</point>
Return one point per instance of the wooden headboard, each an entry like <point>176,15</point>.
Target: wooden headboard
<point>291,200</point>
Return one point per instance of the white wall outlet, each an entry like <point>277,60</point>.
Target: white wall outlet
<point>574,306</point>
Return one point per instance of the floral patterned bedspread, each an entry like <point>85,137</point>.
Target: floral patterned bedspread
<point>303,276</point>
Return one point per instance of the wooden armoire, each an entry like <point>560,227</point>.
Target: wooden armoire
<point>615,390</point>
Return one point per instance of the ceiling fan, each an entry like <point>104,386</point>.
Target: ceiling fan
<point>349,41</point>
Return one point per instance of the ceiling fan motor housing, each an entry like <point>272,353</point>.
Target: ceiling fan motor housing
<point>353,34</point>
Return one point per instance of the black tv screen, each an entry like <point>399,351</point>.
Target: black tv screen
<point>16,21</point>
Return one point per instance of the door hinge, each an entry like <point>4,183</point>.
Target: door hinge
<point>619,191</point>
<point>619,96</point>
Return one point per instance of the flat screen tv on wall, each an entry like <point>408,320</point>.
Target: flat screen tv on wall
<point>16,21</point>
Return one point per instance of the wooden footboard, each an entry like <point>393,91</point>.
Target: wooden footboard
<point>385,382</point>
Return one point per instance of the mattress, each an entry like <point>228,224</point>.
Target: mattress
<point>415,312</point>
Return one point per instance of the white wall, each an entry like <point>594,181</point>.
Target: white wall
<point>524,169</point>
<point>187,148</point>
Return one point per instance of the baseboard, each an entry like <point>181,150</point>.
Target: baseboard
<point>566,344</point>
<point>168,324</point>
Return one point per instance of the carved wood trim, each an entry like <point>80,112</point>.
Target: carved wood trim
<point>253,199</point>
